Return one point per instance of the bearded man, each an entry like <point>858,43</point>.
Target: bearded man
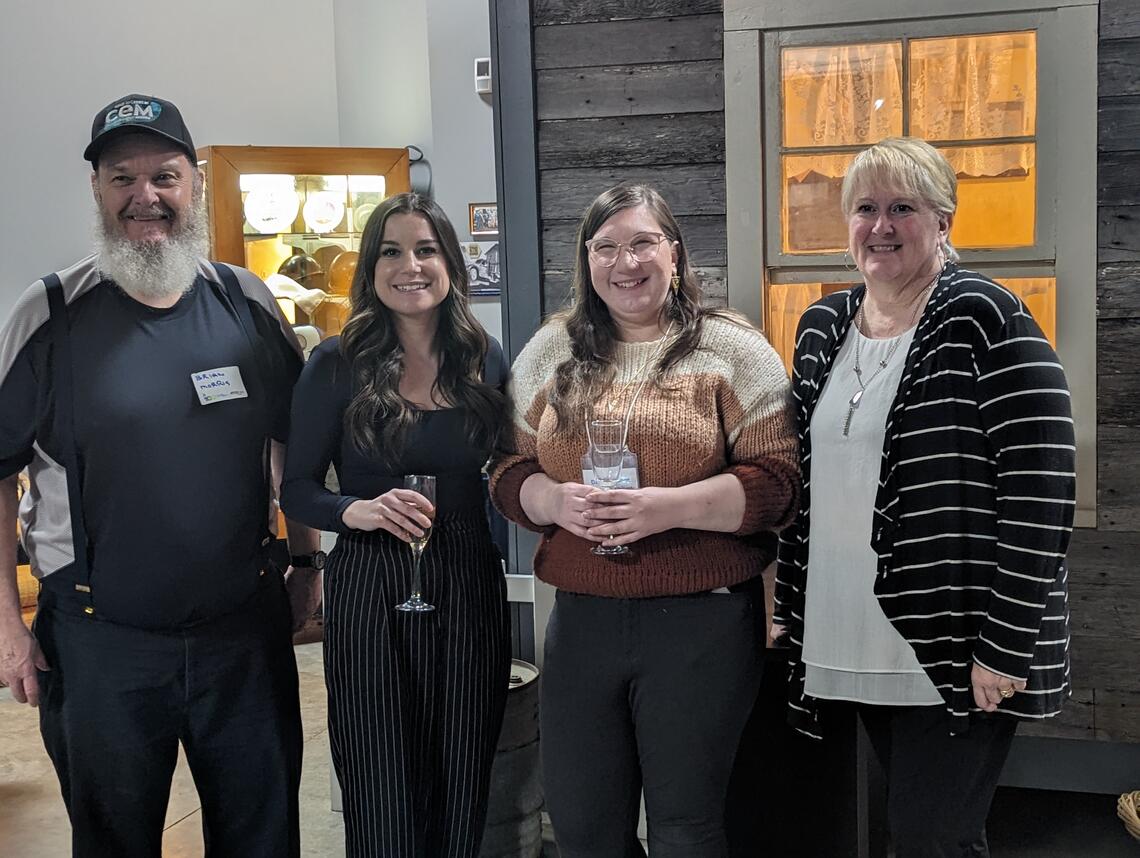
<point>146,391</point>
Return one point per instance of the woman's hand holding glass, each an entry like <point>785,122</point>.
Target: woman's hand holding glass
<point>401,512</point>
<point>623,516</point>
<point>564,504</point>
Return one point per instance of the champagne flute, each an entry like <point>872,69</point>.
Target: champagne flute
<point>424,485</point>
<point>607,450</point>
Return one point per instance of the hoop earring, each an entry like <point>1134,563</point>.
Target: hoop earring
<point>675,283</point>
<point>848,263</point>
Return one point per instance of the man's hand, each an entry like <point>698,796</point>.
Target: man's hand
<point>20,656</point>
<point>304,588</point>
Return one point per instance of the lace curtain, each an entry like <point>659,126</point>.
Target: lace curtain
<point>962,88</point>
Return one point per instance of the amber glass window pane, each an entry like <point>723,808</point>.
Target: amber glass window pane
<point>839,95</point>
<point>812,219</point>
<point>1040,296</point>
<point>997,195</point>
<point>784,303</point>
<point>974,87</point>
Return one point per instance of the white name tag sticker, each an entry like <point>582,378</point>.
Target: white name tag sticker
<point>218,385</point>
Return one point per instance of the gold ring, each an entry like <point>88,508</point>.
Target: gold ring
<point>1005,692</point>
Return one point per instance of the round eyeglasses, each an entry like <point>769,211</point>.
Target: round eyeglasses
<point>642,247</point>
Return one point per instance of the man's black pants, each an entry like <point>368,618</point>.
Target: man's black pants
<point>118,700</point>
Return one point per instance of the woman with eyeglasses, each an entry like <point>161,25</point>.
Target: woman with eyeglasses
<point>652,658</point>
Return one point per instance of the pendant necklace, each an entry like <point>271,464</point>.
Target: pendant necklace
<point>853,403</point>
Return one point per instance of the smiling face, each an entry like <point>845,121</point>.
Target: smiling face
<point>145,188</point>
<point>634,292</point>
<point>411,276</point>
<point>895,238</point>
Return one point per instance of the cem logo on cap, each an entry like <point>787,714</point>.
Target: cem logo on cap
<point>133,111</point>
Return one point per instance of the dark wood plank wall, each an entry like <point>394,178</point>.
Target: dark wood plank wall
<point>630,98</point>
<point>1105,563</point>
<point>642,98</point>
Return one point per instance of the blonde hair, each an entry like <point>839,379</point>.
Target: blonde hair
<point>911,166</point>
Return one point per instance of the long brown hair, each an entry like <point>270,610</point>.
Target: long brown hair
<point>589,370</point>
<point>378,418</point>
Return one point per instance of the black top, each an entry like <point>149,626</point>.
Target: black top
<point>436,444</point>
<point>175,499</point>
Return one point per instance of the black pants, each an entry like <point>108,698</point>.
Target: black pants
<point>118,700</point>
<point>939,787</point>
<point>416,700</point>
<point>646,694</point>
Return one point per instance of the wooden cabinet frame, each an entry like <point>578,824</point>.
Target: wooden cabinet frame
<point>225,164</point>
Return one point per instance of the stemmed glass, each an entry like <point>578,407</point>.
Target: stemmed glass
<point>424,485</point>
<point>607,449</point>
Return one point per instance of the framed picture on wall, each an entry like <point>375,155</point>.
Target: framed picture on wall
<point>482,260</point>
<point>483,218</point>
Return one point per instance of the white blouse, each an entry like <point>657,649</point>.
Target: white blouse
<point>851,651</point>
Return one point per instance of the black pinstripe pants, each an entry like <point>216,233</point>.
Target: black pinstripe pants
<point>416,700</point>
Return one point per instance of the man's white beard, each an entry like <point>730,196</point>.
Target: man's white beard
<point>154,270</point>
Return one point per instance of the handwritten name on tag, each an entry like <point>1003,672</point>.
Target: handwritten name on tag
<point>218,385</point>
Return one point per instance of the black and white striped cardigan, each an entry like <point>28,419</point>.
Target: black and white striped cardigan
<point>975,501</point>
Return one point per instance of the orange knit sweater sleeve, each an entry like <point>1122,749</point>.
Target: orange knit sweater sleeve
<point>759,425</point>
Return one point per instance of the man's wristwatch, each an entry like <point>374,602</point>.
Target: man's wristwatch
<point>316,560</point>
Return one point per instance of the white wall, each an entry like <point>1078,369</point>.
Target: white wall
<point>237,71</point>
<point>463,162</point>
<point>463,152</point>
<point>382,73</point>
<point>264,72</point>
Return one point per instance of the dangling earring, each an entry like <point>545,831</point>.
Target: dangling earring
<point>846,259</point>
<point>675,283</point>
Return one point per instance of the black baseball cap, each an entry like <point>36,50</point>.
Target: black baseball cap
<point>134,113</point>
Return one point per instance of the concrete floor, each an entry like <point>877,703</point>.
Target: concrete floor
<point>33,822</point>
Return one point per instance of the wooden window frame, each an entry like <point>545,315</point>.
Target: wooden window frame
<point>1042,252</point>
<point>1065,240</point>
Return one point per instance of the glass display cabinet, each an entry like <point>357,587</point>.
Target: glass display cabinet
<point>294,215</point>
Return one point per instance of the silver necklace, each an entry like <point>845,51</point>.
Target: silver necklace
<point>853,403</point>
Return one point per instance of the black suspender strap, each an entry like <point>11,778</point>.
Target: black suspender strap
<point>65,431</point>
<point>241,307</point>
<point>245,318</point>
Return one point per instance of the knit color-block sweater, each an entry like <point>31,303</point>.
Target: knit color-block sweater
<point>724,408</point>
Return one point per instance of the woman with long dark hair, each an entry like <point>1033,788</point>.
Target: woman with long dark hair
<point>413,385</point>
<point>652,657</point>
